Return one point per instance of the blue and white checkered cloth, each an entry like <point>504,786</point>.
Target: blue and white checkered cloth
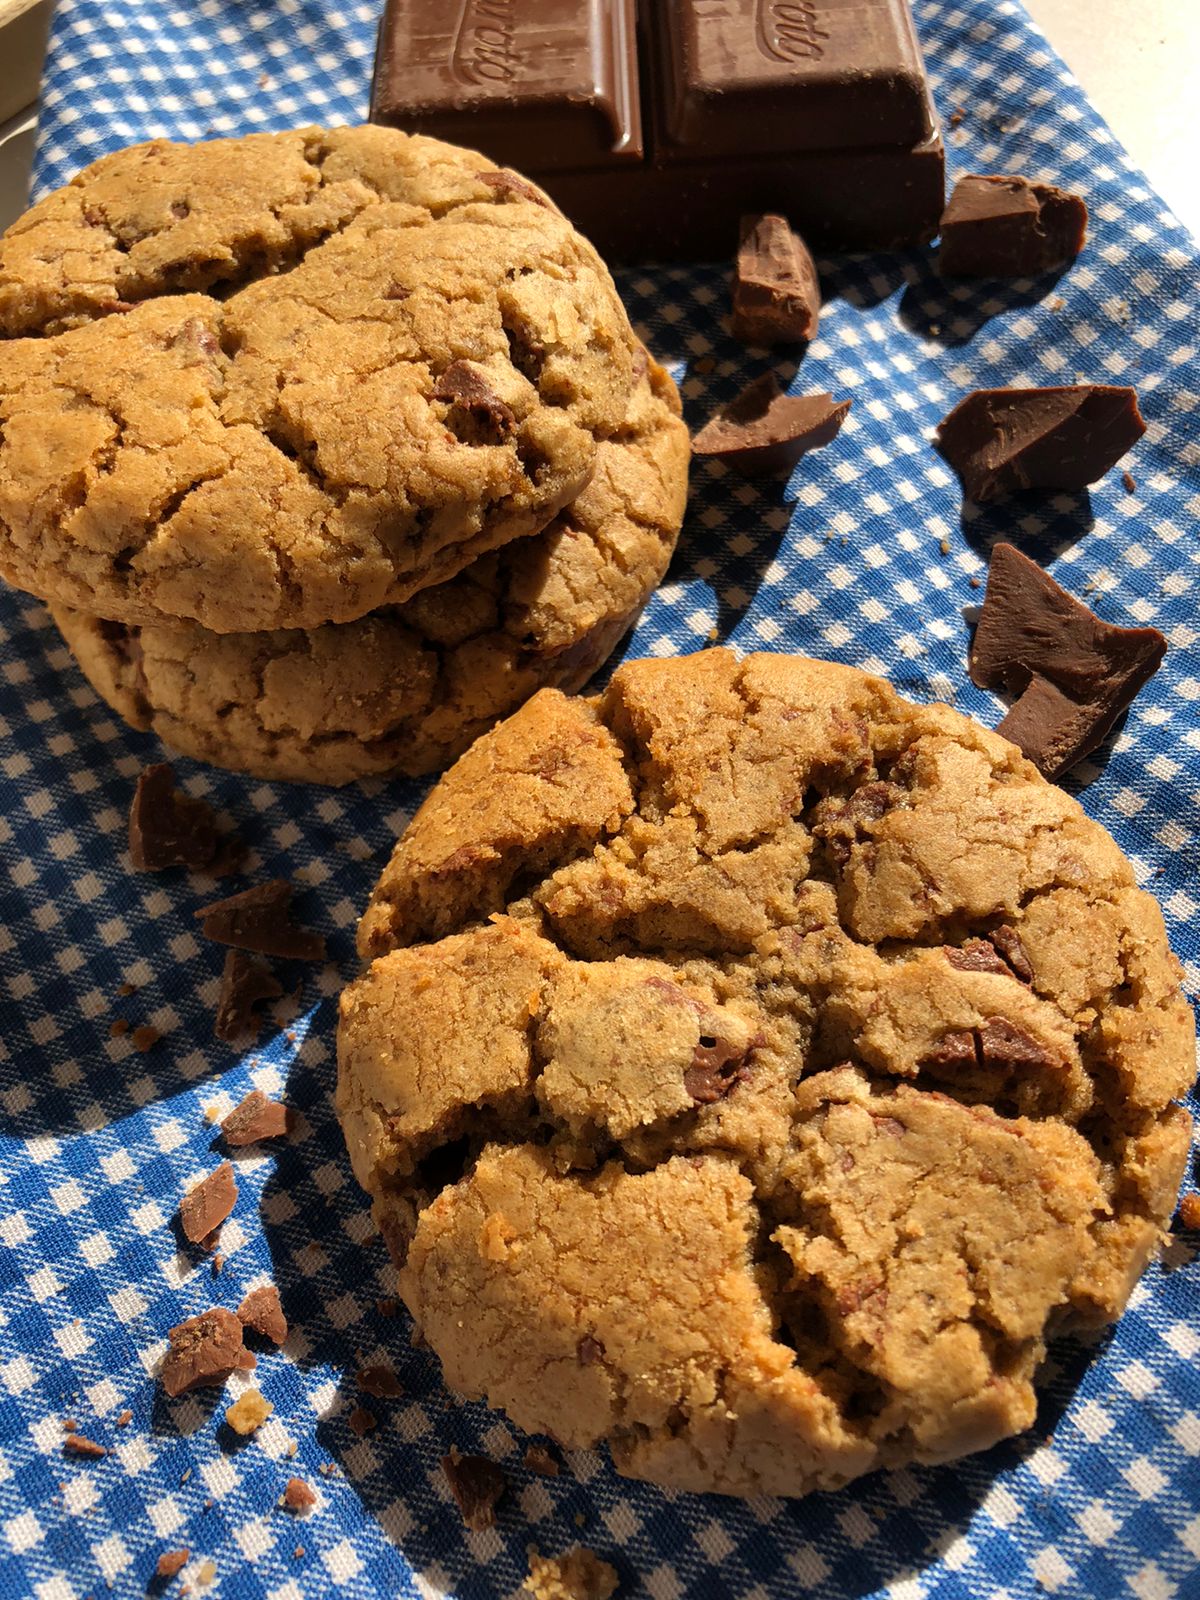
<point>866,558</point>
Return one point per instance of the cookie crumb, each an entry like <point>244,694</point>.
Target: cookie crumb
<point>218,1264</point>
<point>76,1444</point>
<point>145,1037</point>
<point>298,1496</point>
<point>579,1575</point>
<point>944,547</point>
<point>477,1484</point>
<point>207,1573</point>
<point>255,1118</point>
<point>117,1027</point>
<point>538,1459</point>
<point>69,1424</point>
<point>262,1313</point>
<point>207,1204</point>
<point>171,1562</point>
<point>1189,1212</point>
<point>976,583</point>
<point>298,1552</point>
<point>124,1418</point>
<point>126,989</point>
<point>248,1413</point>
<point>292,1450</point>
<point>380,1381</point>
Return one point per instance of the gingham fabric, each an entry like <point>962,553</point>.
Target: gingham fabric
<point>865,557</point>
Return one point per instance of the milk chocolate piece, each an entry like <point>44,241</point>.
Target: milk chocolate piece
<point>205,1206</point>
<point>655,125</point>
<point>258,920</point>
<point>167,828</point>
<point>1072,673</point>
<point>1009,227</point>
<point>245,984</point>
<point>1003,440</point>
<point>764,430</point>
<point>203,1351</point>
<point>262,1313</point>
<point>254,1118</point>
<point>776,292</point>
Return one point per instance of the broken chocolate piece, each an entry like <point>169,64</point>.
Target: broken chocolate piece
<point>477,1485</point>
<point>262,1313</point>
<point>203,1351</point>
<point>764,430</point>
<point>977,955</point>
<point>167,828</point>
<point>1009,227</point>
<point>258,920</point>
<point>477,414</point>
<point>75,1444</point>
<point>171,1563</point>
<point>718,1066</point>
<point>1000,441</point>
<point>362,1422</point>
<point>255,1118</point>
<point>776,292</point>
<point>380,1381</point>
<point>245,984</point>
<point>996,1043</point>
<point>1008,942</point>
<point>1073,674</point>
<point>298,1496</point>
<point>204,1208</point>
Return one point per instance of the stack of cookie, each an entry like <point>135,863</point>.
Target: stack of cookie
<point>326,448</point>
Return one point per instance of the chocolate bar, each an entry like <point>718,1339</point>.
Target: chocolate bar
<point>655,126</point>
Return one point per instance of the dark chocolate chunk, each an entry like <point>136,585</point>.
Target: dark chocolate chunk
<point>1073,674</point>
<point>477,1485</point>
<point>203,1351</point>
<point>1009,227</point>
<point>258,920</point>
<point>477,414</point>
<point>204,1208</point>
<point>820,112</point>
<point>1000,441</point>
<point>776,292</point>
<point>956,1049</point>
<point>362,1422</point>
<point>167,828</point>
<point>510,185</point>
<point>764,430</point>
<point>245,984</point>
<point>1008,942</point>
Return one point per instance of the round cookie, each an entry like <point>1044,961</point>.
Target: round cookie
<point>285,379</point>
<point>408,688</point>
<point>754,1069</point>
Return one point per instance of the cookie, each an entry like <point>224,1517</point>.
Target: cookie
<point>753,1070</point>
<point>407,689</point>
<point>285,379</point>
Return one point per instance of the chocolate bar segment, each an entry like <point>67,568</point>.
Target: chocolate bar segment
<point>778,75</point>
<point>549,83</point>
<point>1009,227</point>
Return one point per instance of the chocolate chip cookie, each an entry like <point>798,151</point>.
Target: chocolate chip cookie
<point>285,379</point>
<point>753,1070</point>
<point>408,688</point>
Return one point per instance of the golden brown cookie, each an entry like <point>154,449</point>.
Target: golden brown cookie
<point>285,379</point>
<point>408,688</point>
<point>753,1070</point>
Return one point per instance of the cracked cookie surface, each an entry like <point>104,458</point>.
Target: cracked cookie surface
<point>406,689</point>
<point>753,1070</point>
<point>282,380</point>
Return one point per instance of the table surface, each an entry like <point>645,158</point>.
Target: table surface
<point>1137,65</point>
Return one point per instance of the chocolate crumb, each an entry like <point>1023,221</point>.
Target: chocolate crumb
<point>145,1037</point>
<point>1129,481</point>
<point>255,1118</point>
<point>262,1313</point>
<point>298,1496</point>
<point>258,920</point>
<point>380,1381</point>
<point>218,1264</point>
<point>171,1562</point>
<point>298,1553</point>
<point>205,1207</point>
<point>76,1444</point>
<point>126,989</point>
<point>538,1459</point>
<point>477,1484</point>
<point>245,984</point>
<point>117,1027</point>
<point>362,1422</point>
<point>69,1424</point>
<point>203,1351</point>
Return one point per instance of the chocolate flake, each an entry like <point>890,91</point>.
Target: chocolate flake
<point>262,1313</point>
<point>245,984</point>
<point>75,1444</point>
<point>1072,673</point>
<point>1009,227</point>
<point>171,1563</point>
<point>257,920</point>
<point>477,1485</point>
<point>204,1208</point>
<point>380,1381</point>
<point>776,292</point>
<point>477,413</point>
<point>167,828</point>
<point>203,1351</point>
<point>765,431</point>
<point>255,1118</point>
<point>298,1496</point>
<point>1001,441</point>
<point>538,1459</point>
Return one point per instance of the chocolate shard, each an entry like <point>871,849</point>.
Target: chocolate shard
<point>1009,227</point>
<point>245,984</point>
<point>258,920</point>
<point>254,1118</point>
<point>1072,673</point>
<point>262,1312</point>
<point>1001,441</point>
<point>476,413</point>
<point>477,1485</point>
<point>766,431</point>
<point>776,292</point>
<point>204,1208</point>
<point>203,1351</point>
<point>167,828</point>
